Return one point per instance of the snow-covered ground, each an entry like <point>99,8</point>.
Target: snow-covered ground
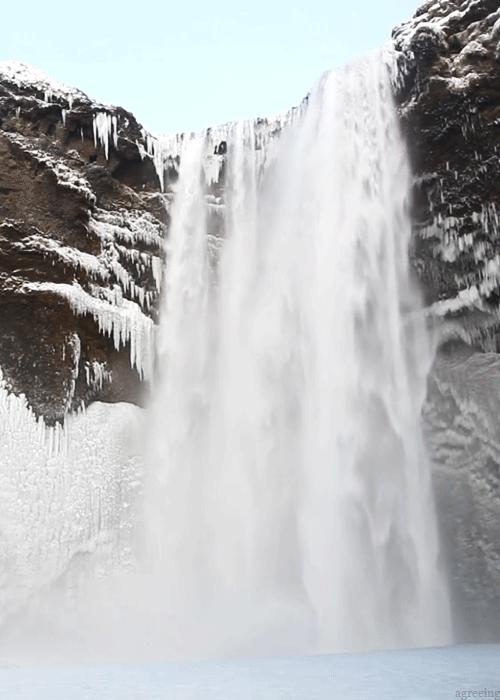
<point>429,674</point>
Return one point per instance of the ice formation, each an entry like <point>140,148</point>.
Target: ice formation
<point>105,130</point>
<point>97,374</point>
<point>64,494</point>
<point>165,150</point>
<point>433,20</point>
<point>119,318</point>
<point>72,256</point>
<point>122,235</point>
<point>66,176</point>
<point>113,296</point>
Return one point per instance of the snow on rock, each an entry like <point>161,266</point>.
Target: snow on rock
<point>437,23</point>
<point>466,298</point>
<point>123,320</point>
<point>448,91</point>
<point>122,233</point>
<point>129,226</point>
<point>66,176</point>
<point>30,78</point>
<point>69,255</point>
<point>81,210</point>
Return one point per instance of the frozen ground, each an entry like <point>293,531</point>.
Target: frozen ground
<point>430,674</point>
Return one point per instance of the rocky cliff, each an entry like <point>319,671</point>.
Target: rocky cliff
<point>82,229</point>
<point>449,99</point>
<point>82,226</point>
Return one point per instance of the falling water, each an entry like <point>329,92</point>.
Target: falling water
<point>287,501</point>
<point>289,504</point>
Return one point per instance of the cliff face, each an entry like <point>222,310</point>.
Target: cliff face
<point>449,99</point>
<point>449,96</point>
<point>82,227</point>
<point>81,238</point>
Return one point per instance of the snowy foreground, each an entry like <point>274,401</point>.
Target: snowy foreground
<point>464,672</point>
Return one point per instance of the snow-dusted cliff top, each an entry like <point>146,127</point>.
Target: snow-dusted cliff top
<point>82,226</point>
<point>29,78</point>
<point>463,33</point>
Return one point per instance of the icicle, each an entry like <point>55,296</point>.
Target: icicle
<point>105,128</point>
<point>124,322</point>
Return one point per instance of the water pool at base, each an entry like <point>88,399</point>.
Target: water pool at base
<point>423,674</point>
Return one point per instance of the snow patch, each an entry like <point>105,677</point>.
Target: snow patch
<point>66,177</point>
<point>25,76</point>
<point>465,299</point>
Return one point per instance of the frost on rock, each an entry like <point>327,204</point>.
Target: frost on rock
<point>121,260</point>
<point>66,177</point>
<point>123,235</point>
<point>63,492</point>
<point>467,298</point>
<point>69,255</point>
<point>83,229</point>
<point>429,31</point>
<point>97,375</point>
<point>28,77</point>
<point>446,81</point>
<point>132,227</point>
<point>41,88</point>
<point>118,318</point>
<point>74,347</point>
<point>465,241</point>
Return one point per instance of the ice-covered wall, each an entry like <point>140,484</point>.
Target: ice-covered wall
<point>65,493</point>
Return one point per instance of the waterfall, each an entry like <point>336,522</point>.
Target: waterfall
<point>288,501</point>
<point>276,495</point>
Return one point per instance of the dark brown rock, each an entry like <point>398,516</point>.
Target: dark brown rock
<point>58,192</point>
